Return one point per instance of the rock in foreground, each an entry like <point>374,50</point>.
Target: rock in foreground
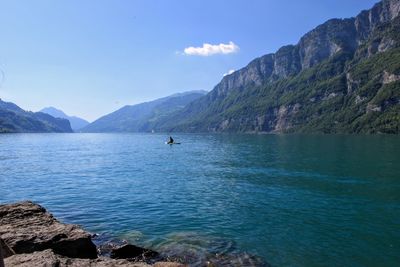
<point>30,236</point>
<point>27,227</point>
<point>49,259</point>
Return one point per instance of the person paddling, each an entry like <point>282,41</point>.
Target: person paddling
<point>170,141</point>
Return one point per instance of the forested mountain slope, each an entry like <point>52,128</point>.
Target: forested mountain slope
<point>341,77</point>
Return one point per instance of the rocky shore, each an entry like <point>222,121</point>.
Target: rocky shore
<point>31,236</point>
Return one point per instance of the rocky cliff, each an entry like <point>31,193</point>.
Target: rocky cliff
<point>326,40</point>
<point>301,87</point>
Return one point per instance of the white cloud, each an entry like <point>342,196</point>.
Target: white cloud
<point>209,49</point>
<point>229,72</point>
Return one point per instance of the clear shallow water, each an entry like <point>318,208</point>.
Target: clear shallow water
<point>290,200</point>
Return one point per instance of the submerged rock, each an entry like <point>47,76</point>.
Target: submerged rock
<point>106,245</point>
<point>27,227</point>
<point>200,250</point>
<point>133,252</point>
<point>122,249</point>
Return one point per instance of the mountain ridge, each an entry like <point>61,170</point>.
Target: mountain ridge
<point>76,122</point>
<point>255,98</point>
<point>142,117</point>
<point>14,119</point>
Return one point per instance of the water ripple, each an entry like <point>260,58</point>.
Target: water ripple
<point>230,200</point>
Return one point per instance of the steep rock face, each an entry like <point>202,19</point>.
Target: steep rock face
<point>382,12</point>
<point>300,86</point>
<point>287,61</point>
<point>255,73</point>
<point>27,227</point>
<point>326,40</point>
<point>317,45</point>
<point>314,47</point>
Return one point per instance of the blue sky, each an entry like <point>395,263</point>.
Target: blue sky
<point>90,58</point>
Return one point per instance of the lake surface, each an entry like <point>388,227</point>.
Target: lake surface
<point>289,200</point>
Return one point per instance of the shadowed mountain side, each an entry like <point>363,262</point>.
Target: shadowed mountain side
<point>142,117</point>
<point>76,122</point>
<point>13,119</point>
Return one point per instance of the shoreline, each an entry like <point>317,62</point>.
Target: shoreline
<point>31,236</point>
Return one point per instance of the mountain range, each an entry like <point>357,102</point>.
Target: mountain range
<point>143,117</point>
<point>341,77</point>
<point>13,119</point>
<point>76,122</point>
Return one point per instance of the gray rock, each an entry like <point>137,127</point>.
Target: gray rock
<point>169,264</point>
<point>27,227</point>
<point>48,258</point>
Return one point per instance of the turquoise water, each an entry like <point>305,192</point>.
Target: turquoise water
<point>286,200</point>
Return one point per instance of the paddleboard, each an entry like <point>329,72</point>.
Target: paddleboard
<point>172,143</point>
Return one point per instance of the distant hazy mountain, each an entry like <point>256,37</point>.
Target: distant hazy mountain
<point>76,122</point>
<point>142,117</point>
<point>13,119</point>
<point>341,77</point>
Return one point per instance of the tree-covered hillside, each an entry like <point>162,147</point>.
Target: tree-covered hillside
<point>13,119</point>
<point>342,77</point>
<point>142,117</point>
